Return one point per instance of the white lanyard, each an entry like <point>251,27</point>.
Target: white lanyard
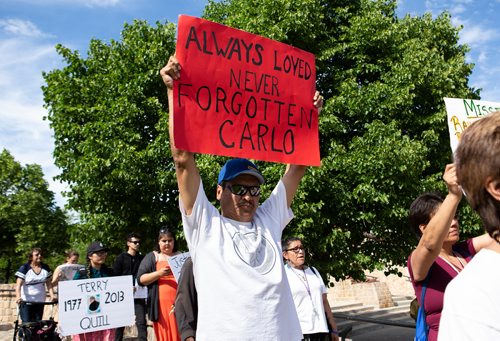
<point>304,281</point>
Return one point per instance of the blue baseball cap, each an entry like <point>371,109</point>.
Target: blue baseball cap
<point>235,167</point>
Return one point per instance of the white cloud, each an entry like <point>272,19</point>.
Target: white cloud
<point>101,3</point>
<point>483,57</point>
<point>20,27</point>
<point>475,35</point>
<point>458,9</point>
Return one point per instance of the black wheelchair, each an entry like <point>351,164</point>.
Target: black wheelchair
<point>43,330</point>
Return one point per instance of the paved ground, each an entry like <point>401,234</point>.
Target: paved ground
<point>388,333</point>
<point>6,335</point>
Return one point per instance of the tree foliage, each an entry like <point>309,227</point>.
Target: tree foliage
<point>383,132</point>
<point>111,133</point>
<point>29,216</point>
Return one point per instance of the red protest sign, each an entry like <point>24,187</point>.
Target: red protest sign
<point>244,95</point>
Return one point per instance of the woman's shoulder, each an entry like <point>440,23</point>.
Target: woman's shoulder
<point>151,254</point>
<point>465,248</point>
<point>24,268</point>
<point>314,270</point>
<point>150,257</point>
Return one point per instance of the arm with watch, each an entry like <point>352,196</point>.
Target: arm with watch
<point>330,320</point>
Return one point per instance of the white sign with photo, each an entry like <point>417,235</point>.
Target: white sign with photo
<point>87,305</point>
<point>462,112</point>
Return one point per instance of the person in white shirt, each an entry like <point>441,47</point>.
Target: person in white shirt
<point>309,294</point>
<point>32,279</point>
<point>472,300</point>
<point>242,290</point>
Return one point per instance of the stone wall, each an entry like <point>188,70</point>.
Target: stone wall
<point>377,291</point>
<point>398,286</point>
<point>8,309</point>
<point>373,293</point>
<point>8,306</point>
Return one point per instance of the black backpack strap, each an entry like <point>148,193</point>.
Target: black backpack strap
<point>314,270</point>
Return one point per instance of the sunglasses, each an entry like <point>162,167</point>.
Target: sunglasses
<point>241,190</point>
<point>296,249</point>
<point>135,241</point>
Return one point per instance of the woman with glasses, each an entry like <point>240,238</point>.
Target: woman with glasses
<point>309,294</point>
<point>155,273</point>
<point>438,254</point>
<point>96,256</point>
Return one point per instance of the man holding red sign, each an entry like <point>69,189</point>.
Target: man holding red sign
<point>243,293</point>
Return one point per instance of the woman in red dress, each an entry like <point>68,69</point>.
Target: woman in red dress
<point>155,273</point>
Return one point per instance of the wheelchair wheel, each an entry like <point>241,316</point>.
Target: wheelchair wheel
<point>24,334</point>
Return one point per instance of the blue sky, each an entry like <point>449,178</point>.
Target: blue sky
<point>29,30</point>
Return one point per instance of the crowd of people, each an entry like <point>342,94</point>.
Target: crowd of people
<point>242,282</point>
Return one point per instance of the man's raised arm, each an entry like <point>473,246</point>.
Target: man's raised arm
<point>295,173</point>
<point>188,177</point>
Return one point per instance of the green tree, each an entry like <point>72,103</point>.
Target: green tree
<point>29,216</point>
<point>383,130</point>
<point>111,134</point>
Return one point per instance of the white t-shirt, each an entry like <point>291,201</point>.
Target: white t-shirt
<point>33,288</point>
<point>307,292</point>
<point>242,290</point>
<point>472,301</point>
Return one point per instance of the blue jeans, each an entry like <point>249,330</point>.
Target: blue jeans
<point>31,312</point>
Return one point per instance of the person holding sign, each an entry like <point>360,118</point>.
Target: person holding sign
<point>96,257</point>
<point>242,288</point>
<point>439,254</point>
<point>71,264</point>
<point>66,272</point>
<point>472,300</point>
<point>155,273</point>
<point>127,263</point>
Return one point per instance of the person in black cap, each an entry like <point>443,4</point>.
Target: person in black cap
<point>96,256</point>
<point>242,289</point>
